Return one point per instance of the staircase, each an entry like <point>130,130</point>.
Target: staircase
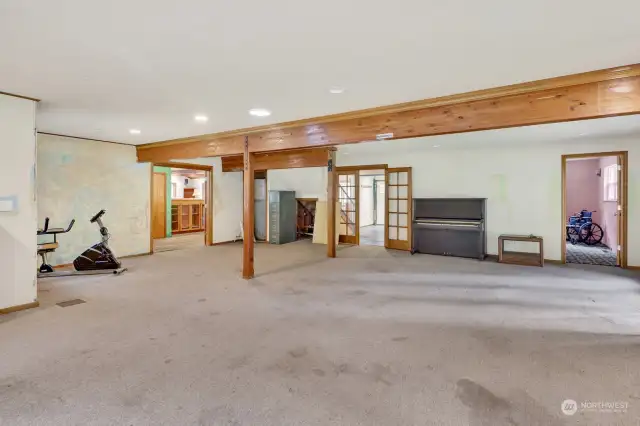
<point>306,218</point>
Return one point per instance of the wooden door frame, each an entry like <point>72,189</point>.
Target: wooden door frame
<point>208,231</point>
<point>357,170</point>
<point>623,189</point>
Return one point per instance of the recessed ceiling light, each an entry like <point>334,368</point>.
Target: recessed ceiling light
<point>336,90</point>
<point>259,112</point>
<point>135,131</point>
<point>436,146</point>
<point>201,118</point>
<point>621,88</point>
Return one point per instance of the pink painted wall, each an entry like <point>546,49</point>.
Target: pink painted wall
<point>607,210</point>
<point>583,186</point>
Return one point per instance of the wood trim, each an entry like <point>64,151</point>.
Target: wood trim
<point>20,96</point>
<point>332,198</point>
<point>292,159</point>
<point>357,212</point>
<point>177,165</point>
<point>248,223</point>
<point>633,268</point>
<point>85,139</point>
<point>365,167</point>
<point>478,95</point>
<point>17,308</point>
<point>208,221</point>
<point>569,98</point>
<point>624,190</point>
<point>226,242</point>
<point>151,167</point>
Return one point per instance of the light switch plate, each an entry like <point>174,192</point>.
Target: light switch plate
<point>8,204</point>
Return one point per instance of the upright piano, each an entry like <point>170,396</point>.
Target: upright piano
<point>450,227</point>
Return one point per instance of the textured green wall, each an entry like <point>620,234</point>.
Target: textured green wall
<point>167,172</point>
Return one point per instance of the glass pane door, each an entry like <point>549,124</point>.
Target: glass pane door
<point>348,198</point>
<point>399,216</point>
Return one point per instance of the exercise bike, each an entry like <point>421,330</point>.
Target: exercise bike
<point>97,259</point>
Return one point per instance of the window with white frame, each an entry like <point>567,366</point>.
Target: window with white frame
<point>610,182</point>
<point>174,190</point>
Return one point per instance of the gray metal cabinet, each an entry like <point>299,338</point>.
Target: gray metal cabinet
<point>282,217</point>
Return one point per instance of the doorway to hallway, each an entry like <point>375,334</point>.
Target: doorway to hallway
<point>372,207</point>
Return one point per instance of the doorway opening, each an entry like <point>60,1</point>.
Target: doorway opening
<point>371,208</point>
<point>179,207</point>
<point>594,209</point>
<point>388,218</point>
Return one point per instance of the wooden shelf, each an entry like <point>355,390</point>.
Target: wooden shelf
<point>517,257</point>
<point>188,216</point>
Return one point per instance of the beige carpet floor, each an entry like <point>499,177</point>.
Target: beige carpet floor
<point>370,338</point>
<point>179,242</point>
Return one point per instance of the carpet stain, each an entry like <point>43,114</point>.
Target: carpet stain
<point>400,339</point>
<point>318,372</point>
<point>168,361</point>
<point>202,300</point>
<point>381,373</point>
<point>298,352</point>
<point>488,409</point>
<point>239,362</point>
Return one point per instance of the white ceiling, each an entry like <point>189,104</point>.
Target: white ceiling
<point>586,131</point>
<point>104,67</point>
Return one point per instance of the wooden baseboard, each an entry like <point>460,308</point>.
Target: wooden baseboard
<point>633,268</point>
<point>190,231</point>
<point>17,308</point>
<point>135,255</point>
<point>226,242</point>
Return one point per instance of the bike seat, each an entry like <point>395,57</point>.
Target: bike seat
<point>47,246</point>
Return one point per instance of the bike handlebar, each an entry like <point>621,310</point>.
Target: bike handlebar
<point>97,216</point>
<point>53,231</point>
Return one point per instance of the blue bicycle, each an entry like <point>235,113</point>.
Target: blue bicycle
<point>582,228</point>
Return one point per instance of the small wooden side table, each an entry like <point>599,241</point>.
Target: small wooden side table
<point>517,257</point>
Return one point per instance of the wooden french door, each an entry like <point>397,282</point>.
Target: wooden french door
<point>348,193</point>
<point>397,234</point>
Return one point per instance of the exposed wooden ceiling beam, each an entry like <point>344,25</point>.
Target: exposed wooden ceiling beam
<point>316,157</point>
<point>568,98</point>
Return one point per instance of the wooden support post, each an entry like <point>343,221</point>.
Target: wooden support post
<point>248,216</point>
<point>332,189</point>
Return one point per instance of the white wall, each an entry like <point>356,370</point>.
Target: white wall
<point>366,200</point>
<point>197,184</point>
<point>309,182</point>
<point>227,199</point>
<point>522,182</point>
<point>77,178</point>
<point>179,181</point>
<point>18,227</point>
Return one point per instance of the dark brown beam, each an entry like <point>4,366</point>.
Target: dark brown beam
<point>332,187</point>
<point>248,216</point>
<point>595,94</point>
<point>279,160</point>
